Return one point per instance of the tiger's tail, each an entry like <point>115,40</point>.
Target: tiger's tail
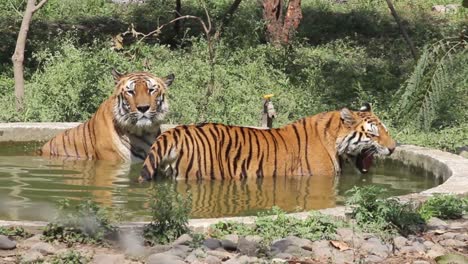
<point>159,159</point>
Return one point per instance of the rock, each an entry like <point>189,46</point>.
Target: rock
<point>322,250</point>
<point>373,259</point>
<point>411,249</point>
<point>452,243</point>
<point>350,237</point>
<point>421,262</point>
<point>196,255</point>
<point>44,248</point>
<point>438,8</point>
<point>464,154</point>
<point>27,243</point>
<point>280,245</point>
<point>229,245</point>
<point>232,237</point>
<point>282,256</point>
<point>6,243</point>
<point>159,249</point>
<point>448,235</point>
<point>435,251</point>
<point>223,255</point>
<point>346,256</point>
<point>32,256</point>
<point>461,237</point>
<point>132,244</point>
<point>452,7</point>
<point>248,260</point>
<point>164,258</point>
<point>212,260</point>
<point>298,251</point>
<point>180,251</point>
<point>108,259</point>
<point>376,247</point>
<point>428,244</point>
<point>247,247</point>
<point>300,242</point>
<point>436,223</point>
<point>255,238</point>
<point>184,239</point>
<point>212,243</point>
<point>399,242</point>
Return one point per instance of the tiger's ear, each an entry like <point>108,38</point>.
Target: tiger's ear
<point>347,117</point>
<point>366,107</point>
<point>117,75</point>
<point>168,79</point>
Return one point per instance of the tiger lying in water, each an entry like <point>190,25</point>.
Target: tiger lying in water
<point>315,145</point>
<point>124,126</point>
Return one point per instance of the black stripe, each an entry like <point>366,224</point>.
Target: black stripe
<point>190,164</point>
<point>228,148</point>
<point>85,144</point>
<point>74,143</point>
<point>260,168</point>
<point>275,152</point>
<point>91,138</point>
<point>210,152</point>
<point>145,173</point>
<point>64,145</point>
<point>249,157</point>
<point>304,124</point>
<point>199,141</point>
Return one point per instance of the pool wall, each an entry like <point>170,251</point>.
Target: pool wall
<point>453,169</point>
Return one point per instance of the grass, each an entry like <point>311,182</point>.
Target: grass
<point>444,206</point>
<point>277,224</point>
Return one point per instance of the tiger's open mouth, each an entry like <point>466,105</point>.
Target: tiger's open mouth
<point>364,160</point>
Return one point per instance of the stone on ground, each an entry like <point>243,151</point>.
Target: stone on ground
<point>6,243</point>
<point>108,259</point>
<point>164,258</point>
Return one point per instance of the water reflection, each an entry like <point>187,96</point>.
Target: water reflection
<point>31,186</point>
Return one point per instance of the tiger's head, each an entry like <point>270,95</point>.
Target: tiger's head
<point>141,100</point>
<point>364,136</point>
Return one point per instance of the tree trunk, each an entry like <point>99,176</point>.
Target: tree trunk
<point>177,15</point>
<point>273,15</point>
<point>279,28</point>
<point>292,20</point>
<point>402,29</point>
<point>18,56</point>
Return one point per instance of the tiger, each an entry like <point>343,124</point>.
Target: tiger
<point>124,126</point>
<point>315,145</point>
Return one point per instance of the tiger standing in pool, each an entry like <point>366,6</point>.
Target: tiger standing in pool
<point>124,126</point>
<point>316,145</point>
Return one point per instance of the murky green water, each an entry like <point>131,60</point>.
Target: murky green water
<point>31,186</point>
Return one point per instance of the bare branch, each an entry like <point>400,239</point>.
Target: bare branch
<point>38,6</point>
<point>158,30</point>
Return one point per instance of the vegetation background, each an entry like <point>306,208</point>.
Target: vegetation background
<point>344,53</point>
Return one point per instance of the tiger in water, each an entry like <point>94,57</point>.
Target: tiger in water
<point>315,145</point>
<point>124,126</point>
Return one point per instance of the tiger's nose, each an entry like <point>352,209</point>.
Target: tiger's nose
<point>143,108</point>
<point>391,149</point>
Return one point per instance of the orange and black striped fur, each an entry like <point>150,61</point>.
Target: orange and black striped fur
<point>311,146</point>
<point>124,126</point>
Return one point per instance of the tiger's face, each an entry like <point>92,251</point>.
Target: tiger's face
<point>141,100</point>
<point>366,136</point>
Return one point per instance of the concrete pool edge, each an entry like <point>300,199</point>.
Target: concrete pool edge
<point>453,169</point>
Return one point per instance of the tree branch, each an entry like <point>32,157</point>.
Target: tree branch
<point>39,5</point>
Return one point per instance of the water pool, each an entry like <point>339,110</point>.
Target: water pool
<point>31,186</point>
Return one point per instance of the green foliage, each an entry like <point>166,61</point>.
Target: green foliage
<point>277,224</point>
<point>170,214</point>
<point>70,257</point>
<point>449,139</point>
<point>444,207</point>
<point>375,214</point>
<point>14,231</point>
<point>84,223</point>
<point>427,100</point>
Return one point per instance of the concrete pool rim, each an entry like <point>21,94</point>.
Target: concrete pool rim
<point>453,169</point>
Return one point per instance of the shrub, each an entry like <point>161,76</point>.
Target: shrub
<point>84,223</point>
<point>170,214</point>
<point>70,257</point>
<point>444,206</point>
<point>14,231</point>
<point>375,214</point>
<point>276,224</point>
